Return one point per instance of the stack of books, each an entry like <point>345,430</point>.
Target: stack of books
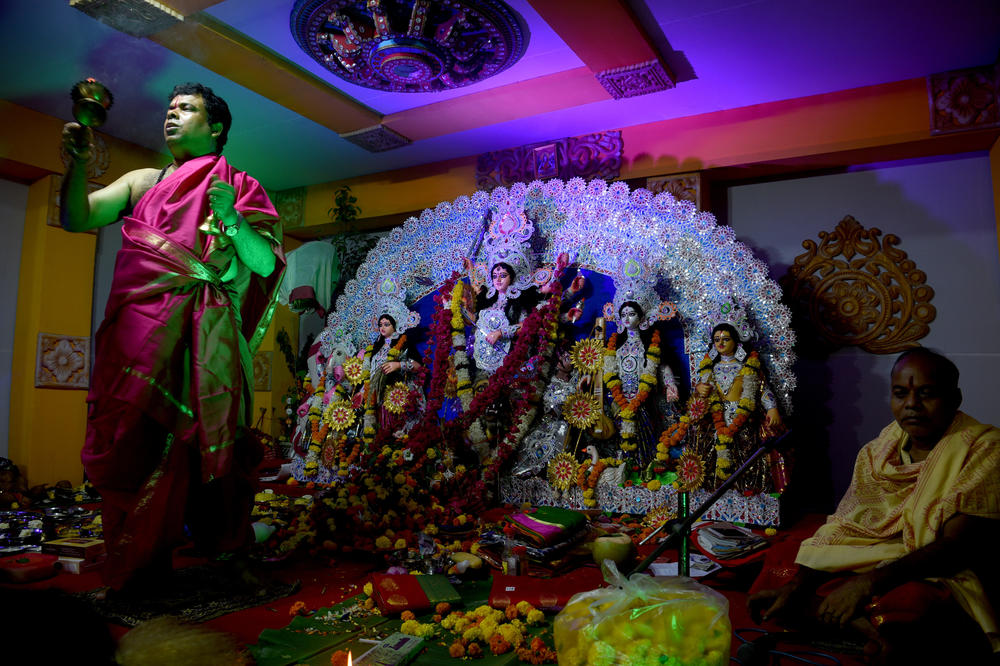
<point>76,554</point>
<point>725,541</point>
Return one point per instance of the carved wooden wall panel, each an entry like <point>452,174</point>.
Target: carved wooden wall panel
<point>858,290</point>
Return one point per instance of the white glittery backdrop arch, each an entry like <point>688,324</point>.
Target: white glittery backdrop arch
<point>699,263</point>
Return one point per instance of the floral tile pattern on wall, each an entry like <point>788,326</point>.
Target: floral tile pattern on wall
<point>62,361</point>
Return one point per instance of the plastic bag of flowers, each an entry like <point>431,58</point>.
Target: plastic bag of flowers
<point>644,620</point>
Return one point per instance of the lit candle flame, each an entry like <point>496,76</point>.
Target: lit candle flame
<point>349,658</point>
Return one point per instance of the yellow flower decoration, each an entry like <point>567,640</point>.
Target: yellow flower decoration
<point>562,471</point>
<point>581,410</point>
<point>535,617</point>
<point>588,355</point>
<point>396,397</point>
<point>690,472</point>
<point>339,414</point>
<point>353,369</point>
<point>658,515</point>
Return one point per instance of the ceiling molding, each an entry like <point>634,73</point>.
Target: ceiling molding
<point>189,7</point>
<point>524,99</point>
<point>607,35</point>
<point>218,47</point>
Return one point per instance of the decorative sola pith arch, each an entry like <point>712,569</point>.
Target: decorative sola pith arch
<point>699,266</point>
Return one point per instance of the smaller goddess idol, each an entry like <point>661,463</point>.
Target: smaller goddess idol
<point>640,384</point>
<point>391,397</point>
<point>742,408</point>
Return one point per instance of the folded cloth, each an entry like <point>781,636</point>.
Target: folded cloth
<point>395,593</point>
<point>547,525</point>
<point>550,594</point>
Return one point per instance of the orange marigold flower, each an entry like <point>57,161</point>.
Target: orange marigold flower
<point>298,608</point>
<point>537,644</point>
<point>456,650</point>
<point>339,658</point>
<point>407,615</point>
<point>442,608</point>
<point>474,650</point>
<point>511,612</point>
<point>499,645</point>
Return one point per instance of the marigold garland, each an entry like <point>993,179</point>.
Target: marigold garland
<point>673,435</point>
<point>627,408</point>
<point>317,430</point>
<point>463,382</point>
<point>724,434</point>
<point>587,476</point>
<point>344,465</point>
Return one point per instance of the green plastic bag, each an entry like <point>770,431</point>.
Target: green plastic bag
<point>671,621</point>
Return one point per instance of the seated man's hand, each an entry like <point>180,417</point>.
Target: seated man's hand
<point>766,603</point>
<point>843,604</point>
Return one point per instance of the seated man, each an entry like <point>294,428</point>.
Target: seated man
<point>913,537</point>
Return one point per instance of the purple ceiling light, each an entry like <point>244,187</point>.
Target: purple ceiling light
<point>410,45</point>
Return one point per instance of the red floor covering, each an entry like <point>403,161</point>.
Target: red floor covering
<point>323,585</point>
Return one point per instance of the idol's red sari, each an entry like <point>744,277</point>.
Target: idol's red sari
<point>171,392</point>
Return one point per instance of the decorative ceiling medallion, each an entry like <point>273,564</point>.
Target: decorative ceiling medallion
<point>410,45</point>
<point>858,291</point>
<point>634,80</point>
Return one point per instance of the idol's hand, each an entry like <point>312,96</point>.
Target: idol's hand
<point>703,389</point>
<point>76,140</point>
<point>222,199</point>
<point>493,337</point>
<point>391,366</point>
<point>772,420</point>
<point>577,284</point>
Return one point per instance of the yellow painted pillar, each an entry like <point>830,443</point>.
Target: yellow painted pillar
<point>55,289</point>
<point>270,360</point>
